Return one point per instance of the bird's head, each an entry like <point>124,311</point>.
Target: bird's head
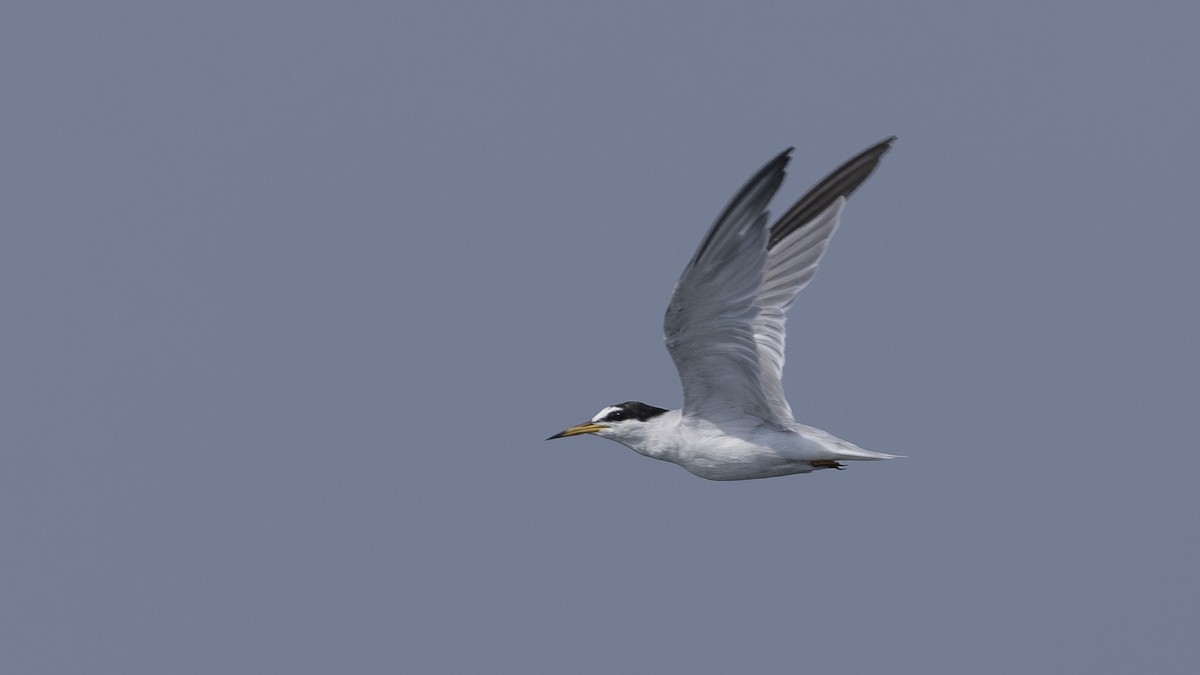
<point>619,422</point>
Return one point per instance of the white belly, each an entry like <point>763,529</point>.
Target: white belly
<point>739,451</point>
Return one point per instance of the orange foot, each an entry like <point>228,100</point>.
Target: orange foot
<point>826,464</point>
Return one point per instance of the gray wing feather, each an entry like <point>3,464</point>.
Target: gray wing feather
<point>791,264</point>
<point>709,321</point>
<point>725,324</point>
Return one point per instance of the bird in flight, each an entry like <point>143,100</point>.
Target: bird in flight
<point>724,329</point>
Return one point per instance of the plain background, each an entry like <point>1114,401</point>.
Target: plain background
<point>291,293</point>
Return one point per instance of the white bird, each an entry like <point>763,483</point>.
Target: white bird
<point>724,329</point>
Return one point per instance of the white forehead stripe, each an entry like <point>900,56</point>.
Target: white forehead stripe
<point>604,413</point>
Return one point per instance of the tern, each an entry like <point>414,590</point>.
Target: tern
<point>724,328</point>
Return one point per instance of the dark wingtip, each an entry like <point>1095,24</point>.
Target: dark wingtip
<point>841,182</point>
<point>777,164</point>
<point>765,181</point>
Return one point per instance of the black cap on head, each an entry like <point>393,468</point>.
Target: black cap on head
<point>629,410</point>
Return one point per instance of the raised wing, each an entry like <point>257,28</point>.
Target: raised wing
<point>725,323</point>
<point>709,322</point>
<point>798,240</point>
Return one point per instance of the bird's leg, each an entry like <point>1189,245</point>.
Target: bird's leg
<point>826,464</point>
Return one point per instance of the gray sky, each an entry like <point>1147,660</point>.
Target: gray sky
<point>293,292</point>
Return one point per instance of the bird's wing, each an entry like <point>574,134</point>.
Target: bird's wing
<point>724,325</point>
<point>709,326</point>
<point>797,242</point>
